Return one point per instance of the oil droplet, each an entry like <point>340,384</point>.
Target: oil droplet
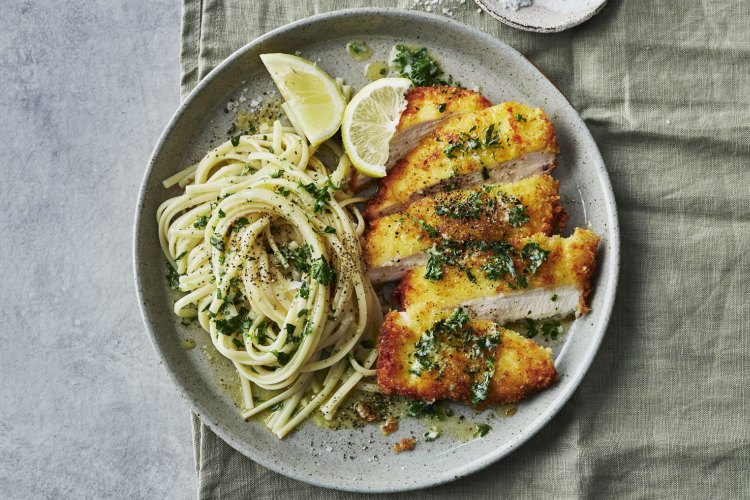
<point>507,410</point>
<point>376,70</point>
<point>187,344</point>
<point>359,50</point>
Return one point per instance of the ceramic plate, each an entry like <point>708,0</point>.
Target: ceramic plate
<point>543,16</point>
<point>345,459</point>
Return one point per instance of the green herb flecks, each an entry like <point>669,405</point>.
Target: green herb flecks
<point>217,241</point>
<point>304,290</point>
<point>298,257</point>
<point>467,144</point>
<point>233,325</point>
<point>201,222</point>
<point>359,50</point>
<point>534,255</point>
<point>500,262</point>
<point>431,231</point>
<point>482,430</point>
<point>423,409</point>
<point>470,207</point>
<point>281,357</point>
<point>173,277</point>
<point>551,330</point>
<point>480,389</point>
<point>322,272</point>
<point>322,194</point>
<point>418,66</point>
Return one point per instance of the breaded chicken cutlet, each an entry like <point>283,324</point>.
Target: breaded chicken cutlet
<point>398,242</point>
<point>534,277</point>
<point>501,143</point>
<point>447,355</point>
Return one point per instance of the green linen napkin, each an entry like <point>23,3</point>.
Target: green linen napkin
<point>665,409</point>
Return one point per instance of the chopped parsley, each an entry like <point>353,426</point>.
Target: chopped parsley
<point>482,430</point>
<point>428,345</point>
<point>281,357</point>
<point>535,255</point>
<point>235,140</point>
<point>470,207</point>
<point>221,214</point>
<point>173,277</point>
<point>500,263</point>
<point>517,214</point>
<point>419,67</point>
<point>550,330</point>
<point>282,191</point>
<point>441,107</point>
<point>423,409</point>
<point>201,222</point>
<point>235,324</point>
<point>304,290</point>
<point>329,230</point>
<point>430,230</point>
<point>299,257</point>
<point>322,272</point>
<point>520,118</point>
<point>322,194</point>
<point>480,389</point>
<point>466,144</point>
<point>434,268</point>
<point>217,242</point>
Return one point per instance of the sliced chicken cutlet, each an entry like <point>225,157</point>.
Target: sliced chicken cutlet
<point>502,143</point>
<point>426,109</point>
<point>431,356</point>
<point>535,277</point>
<point>396,243</point>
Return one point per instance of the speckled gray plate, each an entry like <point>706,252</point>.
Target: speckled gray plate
<point>344,459</point>
<point>544,16</point>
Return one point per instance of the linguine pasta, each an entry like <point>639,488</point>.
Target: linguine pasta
<point>267,250</point>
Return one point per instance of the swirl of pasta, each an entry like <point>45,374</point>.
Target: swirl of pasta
<point>266,246</point>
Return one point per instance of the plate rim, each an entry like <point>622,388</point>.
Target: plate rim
<point>542,419</point>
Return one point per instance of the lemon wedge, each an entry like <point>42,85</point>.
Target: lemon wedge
<point>313,98</point>
<point>370,122</point>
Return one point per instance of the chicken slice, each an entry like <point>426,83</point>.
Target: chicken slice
<point>551,276</point>
<point>502,143</point>
<point>397,242</point>
<point>426,109</point>
<point>432,356</point>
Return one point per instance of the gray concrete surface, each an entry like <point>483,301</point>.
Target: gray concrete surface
<point>85,409</point>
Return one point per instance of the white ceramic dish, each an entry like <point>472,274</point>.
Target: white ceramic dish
<point>544,16</point>
<point>344,459</point>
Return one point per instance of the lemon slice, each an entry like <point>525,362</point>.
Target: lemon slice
<point>370,121</point>
<point>312,96</point>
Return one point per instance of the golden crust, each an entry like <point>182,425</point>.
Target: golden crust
<point>520,129</point>
<point>522,367</point>
<point>571,262</point>
<point>424,104</point>
<point>400,235</point>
